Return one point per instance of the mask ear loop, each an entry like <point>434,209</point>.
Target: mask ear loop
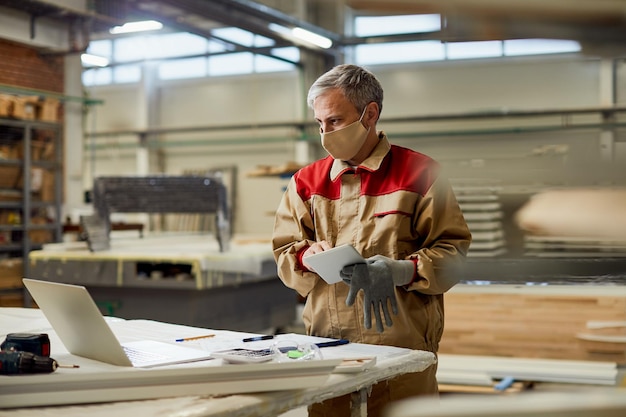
<point>363,114</point>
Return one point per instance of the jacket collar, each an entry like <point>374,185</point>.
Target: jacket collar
<point>371,163</point>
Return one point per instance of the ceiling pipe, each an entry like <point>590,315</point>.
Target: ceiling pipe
<point>253,18</point>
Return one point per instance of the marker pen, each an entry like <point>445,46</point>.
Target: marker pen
<point>258,338</point>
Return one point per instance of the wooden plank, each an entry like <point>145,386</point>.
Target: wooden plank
<point>534,324</point>
<point>532,369</point>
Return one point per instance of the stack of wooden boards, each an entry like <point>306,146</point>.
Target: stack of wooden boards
<point>521,327</point>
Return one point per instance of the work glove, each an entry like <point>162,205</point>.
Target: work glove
<point>377,278</point>
<point>402,271</point>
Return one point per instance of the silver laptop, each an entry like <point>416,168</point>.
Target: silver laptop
<point>78,322</point>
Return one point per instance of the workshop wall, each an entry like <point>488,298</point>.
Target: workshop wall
<point>512,153</point>
<point>250,100</point>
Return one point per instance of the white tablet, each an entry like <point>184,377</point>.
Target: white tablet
<point>329,263</point>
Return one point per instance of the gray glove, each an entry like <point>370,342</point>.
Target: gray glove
<point>375,279</point>
<point>401,271</point>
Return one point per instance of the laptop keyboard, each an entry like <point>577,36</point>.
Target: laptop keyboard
<point>138,357</point>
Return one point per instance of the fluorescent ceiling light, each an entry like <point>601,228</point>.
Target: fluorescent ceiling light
<point>299,34</point>
<point>94,60</point>
<point>136,27</point>
<point>314,38</point>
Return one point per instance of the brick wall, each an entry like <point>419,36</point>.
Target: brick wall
<point>24,66</point>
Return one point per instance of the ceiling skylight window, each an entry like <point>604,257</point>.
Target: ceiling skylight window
<point>467,50</point>
<point>389,25</point>
<point>103,48</point>
<point>127,74</point>
<point>539,46</point>
<point>230,64</point>
<point>175,45</point>
<point>288,52</point>
<point>98,76</point>
<point>242,37</point>
<point>183,68</point>
<point>398,52</point>
<point>128,49</point>
<point>266,64</point>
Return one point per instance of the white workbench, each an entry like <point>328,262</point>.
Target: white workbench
<point>247,398</point>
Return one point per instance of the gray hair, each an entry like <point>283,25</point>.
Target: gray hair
<point>358,85</point>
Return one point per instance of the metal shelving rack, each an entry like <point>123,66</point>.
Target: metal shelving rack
<point>27,204</point>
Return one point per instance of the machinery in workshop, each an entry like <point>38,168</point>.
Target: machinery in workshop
<point>156,194</point>
<point>183,278</point>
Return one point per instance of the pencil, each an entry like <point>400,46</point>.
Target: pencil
<point>186,339</point>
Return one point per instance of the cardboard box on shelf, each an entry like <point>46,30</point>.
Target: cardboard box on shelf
<point>41,182</point>
<point>25,107</point>
<point>6,105</point>
<point>46,191</point>
<point>40,236</point>
<point>10,176</point>
<point>30,107</point>
<point>42,149</point>
<point>11,273</point>
<point>10,151</point>
<point>48,110</point>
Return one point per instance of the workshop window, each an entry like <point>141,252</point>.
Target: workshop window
<point>185,55</point>
<point>290,53</point>
<point>102,48</point>
<point>398,52</point>
<point>264,63</point>
<point>183,68</point>
<point>539,46</point>
<point>171,45</point>
<point>392,25</point>
<point>468,50</point>
<point>230,64</point>
<point>242,37</point>
<point>387,52</point>
<point>127,73</point>
<point>98,76</point>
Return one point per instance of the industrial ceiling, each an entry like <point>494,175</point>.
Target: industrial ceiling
<point>599,25</point>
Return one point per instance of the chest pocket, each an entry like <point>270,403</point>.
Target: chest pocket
<point>393,231</point>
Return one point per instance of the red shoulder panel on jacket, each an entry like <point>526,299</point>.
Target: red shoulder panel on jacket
<point>416,173</point>
<point>314,179</point>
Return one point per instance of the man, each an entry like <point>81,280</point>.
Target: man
<point>395,208</point>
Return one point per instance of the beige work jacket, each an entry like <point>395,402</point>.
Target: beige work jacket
<point>395,204</point>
